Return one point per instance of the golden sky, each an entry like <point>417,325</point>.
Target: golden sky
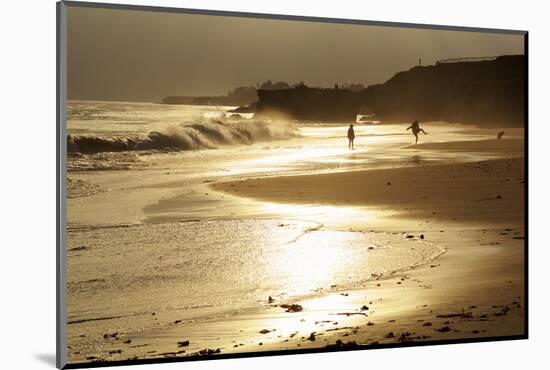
<point>143,56</point>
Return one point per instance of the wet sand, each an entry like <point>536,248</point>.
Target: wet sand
<point>488,191</point>
<point>474,210</point>
<point>475,289</point>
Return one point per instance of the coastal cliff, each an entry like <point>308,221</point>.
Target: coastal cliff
<point>310,104</point>
<point>485,93</point>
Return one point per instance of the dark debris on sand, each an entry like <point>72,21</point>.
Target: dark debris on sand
<point>292,307</point>
<point>350,313</point>
<point>463,315</point>
<point>206,352</point>
<point>343,345</point>
<point>170,354</point>
<point>405,337</point>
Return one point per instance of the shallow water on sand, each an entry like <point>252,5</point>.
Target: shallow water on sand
<point>203,270</point>
<point>226,264</point>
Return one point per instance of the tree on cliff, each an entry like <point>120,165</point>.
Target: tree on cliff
<point>268,85</point>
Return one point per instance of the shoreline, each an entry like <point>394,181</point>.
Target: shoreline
<point>464,286</point>
<point>476,187</point>
<point>474,290</point>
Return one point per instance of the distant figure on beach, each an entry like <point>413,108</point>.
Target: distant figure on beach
<point>500,135</point>
<point>416,130</point>
<point>351,136</point>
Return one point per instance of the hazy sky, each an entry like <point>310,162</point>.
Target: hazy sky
<point>144,56</point>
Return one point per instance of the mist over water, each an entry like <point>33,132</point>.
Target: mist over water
<point>202,132</point>
<point>189,136</point>
<point>102,135</point>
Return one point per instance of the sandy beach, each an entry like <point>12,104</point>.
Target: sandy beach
<point>329,248</point>
<point>475,210</point>
<point>489,191</point>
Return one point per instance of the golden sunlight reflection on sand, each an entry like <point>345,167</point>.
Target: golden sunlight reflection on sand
<point>310,262</point>
<point>305,154</point>
<point>323,213</point>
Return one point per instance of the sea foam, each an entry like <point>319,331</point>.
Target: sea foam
<point>206,134</point>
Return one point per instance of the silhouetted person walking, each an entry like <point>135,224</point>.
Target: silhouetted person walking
<point>351,136</point>
<point>416,130</point>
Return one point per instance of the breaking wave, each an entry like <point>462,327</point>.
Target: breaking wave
<point>188,136</point>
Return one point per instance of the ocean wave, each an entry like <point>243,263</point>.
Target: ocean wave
<point>188,136</point>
